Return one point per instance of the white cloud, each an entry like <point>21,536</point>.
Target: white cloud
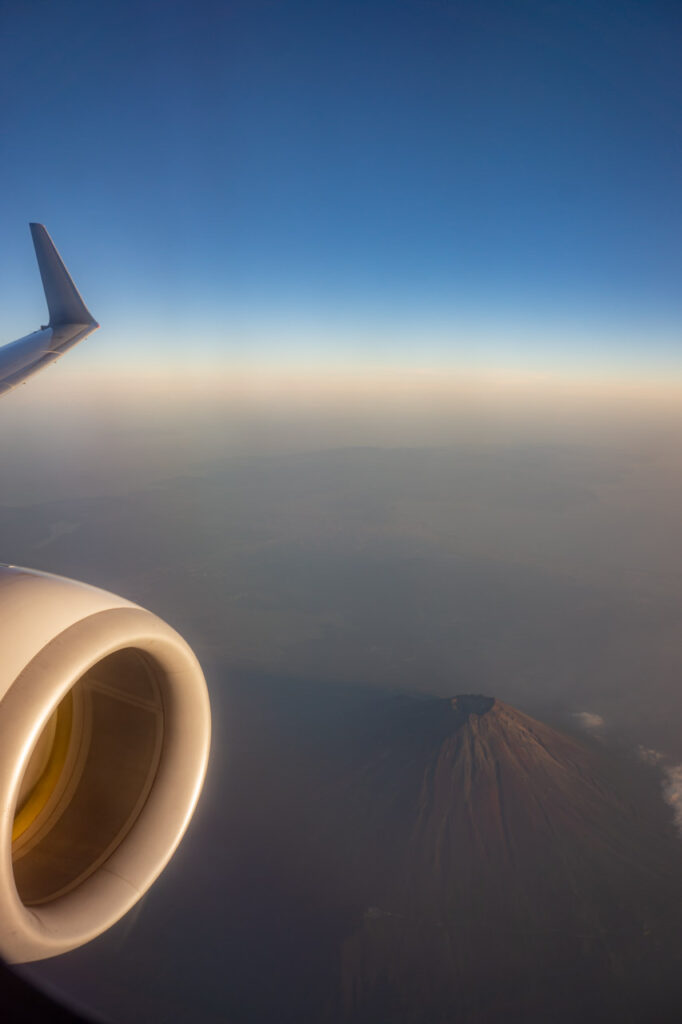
<point>649,755</point>
<point>672,792</point>
<point>589,720</point>
<point>671,780</point>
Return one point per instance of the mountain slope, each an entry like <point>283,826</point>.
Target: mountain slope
<point>515,870</point>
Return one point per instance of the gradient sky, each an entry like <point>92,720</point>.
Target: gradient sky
<point>419,183</point>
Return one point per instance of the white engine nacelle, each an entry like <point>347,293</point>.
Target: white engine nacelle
<point>104,738</point>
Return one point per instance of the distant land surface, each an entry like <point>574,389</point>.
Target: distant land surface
<point>549,575</point>
<point>337,600</point>
<point>378,857</point>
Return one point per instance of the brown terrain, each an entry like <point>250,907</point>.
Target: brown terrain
<point>518,874</point>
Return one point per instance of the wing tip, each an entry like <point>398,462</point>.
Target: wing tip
<point>64,302</point>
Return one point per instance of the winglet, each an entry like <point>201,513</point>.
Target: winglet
<point>63,301</point>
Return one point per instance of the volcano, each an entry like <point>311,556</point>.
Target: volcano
<point>507,871</point>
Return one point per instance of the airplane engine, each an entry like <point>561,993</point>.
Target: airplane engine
<point>104,739</point>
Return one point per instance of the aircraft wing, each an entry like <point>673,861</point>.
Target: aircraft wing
<point>69,319</point>
<point>105,723</point>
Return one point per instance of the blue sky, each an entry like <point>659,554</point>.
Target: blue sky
<point>418,181</point>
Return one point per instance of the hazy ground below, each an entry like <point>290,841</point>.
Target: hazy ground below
<point>548,575</point>
<point>543,570</point>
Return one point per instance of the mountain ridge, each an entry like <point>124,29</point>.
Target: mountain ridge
<point>520,849</point>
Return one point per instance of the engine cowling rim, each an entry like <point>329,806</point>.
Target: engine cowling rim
<point>106,895</point>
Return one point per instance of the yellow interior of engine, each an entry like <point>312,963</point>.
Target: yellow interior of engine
<point>44,768</point>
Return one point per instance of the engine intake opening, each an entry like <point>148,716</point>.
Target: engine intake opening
<point>88,776</point>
